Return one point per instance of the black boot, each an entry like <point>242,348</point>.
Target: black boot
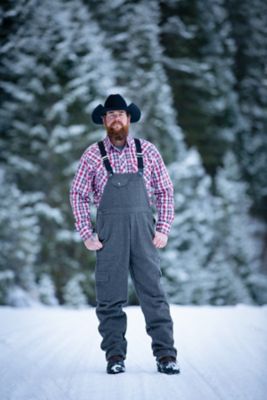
<point>115,365</point>
<point>168,365</point>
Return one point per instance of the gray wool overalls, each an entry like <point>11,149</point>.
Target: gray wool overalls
<point>125,226</point>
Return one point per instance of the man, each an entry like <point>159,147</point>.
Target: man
<point>122,174</point>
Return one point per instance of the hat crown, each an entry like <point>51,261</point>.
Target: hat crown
<point>115,101</point>
<point>112,103</point>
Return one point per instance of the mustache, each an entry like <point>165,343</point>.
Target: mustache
<point>122,132</point>
<point>116,122</point>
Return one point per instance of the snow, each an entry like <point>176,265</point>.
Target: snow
<point>54,353</point>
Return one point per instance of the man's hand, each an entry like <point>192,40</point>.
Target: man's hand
<point>93,243</point>
<point>160,240</point>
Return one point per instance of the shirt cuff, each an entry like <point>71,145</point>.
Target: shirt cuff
<point>163,227</point>
<point>86,233</point>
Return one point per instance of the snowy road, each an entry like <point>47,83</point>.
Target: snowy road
<point>54,354</point>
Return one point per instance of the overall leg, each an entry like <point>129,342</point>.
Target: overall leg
<point>111,277</point>
<point>145,273</point>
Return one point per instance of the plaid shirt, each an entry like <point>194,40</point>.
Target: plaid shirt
<point>91,178</point>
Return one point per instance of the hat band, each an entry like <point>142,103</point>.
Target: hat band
<point>105,109</point>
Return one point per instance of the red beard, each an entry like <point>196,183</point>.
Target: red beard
<point>118,134</point>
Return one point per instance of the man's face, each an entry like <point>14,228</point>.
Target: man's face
<point>117,124</point>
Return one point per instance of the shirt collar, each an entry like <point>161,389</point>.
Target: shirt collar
<point>109,145</point>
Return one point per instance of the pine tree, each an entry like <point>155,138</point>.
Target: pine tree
<point>249,21</point>
<point>56,69</point>
<point>19,237</point>
<point>186,279</point>
<point>73,293</point>
<point>199,56</point>
<point>241,234</point>
<point>213,255</point>
<point>46,289</point>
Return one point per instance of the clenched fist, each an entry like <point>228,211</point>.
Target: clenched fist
<point>93,243</point>
<point>160,240</point>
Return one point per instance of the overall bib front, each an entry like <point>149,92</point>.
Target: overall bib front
<point>125,226</point>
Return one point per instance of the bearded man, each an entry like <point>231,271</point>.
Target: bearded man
<point>124,174</point>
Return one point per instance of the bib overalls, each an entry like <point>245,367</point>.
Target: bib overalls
<point>125,226</point>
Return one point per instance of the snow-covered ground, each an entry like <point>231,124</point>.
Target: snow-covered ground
<point>54,354</point>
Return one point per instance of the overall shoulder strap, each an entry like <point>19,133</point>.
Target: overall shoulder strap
<point>105,157</point>
<point>139,155</point>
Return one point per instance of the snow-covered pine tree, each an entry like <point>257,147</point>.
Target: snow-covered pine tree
<point>46,289</point>
<point>73,293</point>
<point>238,237</point>
<point>186,279</point>
<point>249,22</point>
<point>213,255</point>
<point>19,237</point>
<point>199,56</point>
<point>56,69</point>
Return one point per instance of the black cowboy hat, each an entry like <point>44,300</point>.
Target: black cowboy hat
<point>115,102</point>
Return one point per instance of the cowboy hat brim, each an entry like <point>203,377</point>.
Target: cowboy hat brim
<point>100,111</point>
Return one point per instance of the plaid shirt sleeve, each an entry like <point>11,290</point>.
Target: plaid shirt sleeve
<point>81,188</point>
<point>163,190</point>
